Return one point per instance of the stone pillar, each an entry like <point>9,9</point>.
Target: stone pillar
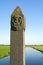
<point>17,38</point>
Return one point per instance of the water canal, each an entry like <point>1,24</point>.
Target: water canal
<point>32,57</point>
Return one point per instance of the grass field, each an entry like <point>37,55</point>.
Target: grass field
<point>37,47</point>
<point>4,51</point>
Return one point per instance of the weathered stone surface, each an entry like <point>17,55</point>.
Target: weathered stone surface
<point>17,12</point>
<point>17,20</point>
<point>17,38</point>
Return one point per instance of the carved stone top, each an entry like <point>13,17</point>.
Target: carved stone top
<point>17,12</point>
<point>17,19</point>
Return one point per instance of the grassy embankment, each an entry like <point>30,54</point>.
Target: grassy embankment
<point>4,51</point>
<point>37,47</point>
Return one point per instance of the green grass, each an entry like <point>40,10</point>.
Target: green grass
<point>4,51</point>
<point>37,47</point>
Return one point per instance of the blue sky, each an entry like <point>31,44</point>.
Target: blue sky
<point>33,11</point>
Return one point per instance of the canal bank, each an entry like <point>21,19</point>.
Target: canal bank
<point>37,47</point>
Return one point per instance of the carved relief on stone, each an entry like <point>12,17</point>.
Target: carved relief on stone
<point>12,24</point>
<point>16,22</point>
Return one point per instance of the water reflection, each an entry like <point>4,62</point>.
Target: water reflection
<point>5,61</point>
<point>33,57</point>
